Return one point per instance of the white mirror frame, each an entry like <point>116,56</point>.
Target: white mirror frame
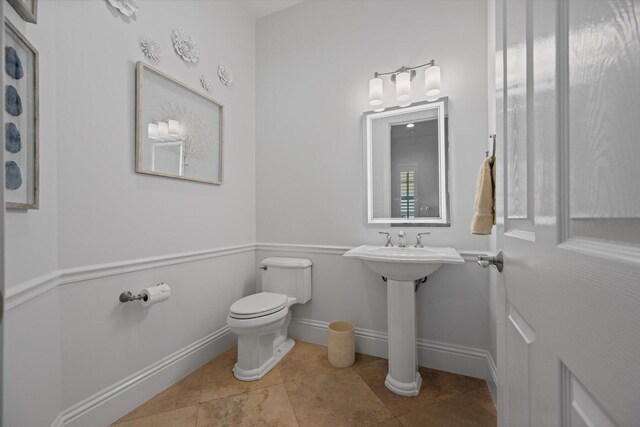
<point>441,106</point>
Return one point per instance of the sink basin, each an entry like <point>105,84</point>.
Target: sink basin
<point>402,267</point>
<point>405,264</point>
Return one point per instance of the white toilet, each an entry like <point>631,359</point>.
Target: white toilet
<point>261,321</point>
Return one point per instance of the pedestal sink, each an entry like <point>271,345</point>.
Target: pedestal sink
<point>403,267</point>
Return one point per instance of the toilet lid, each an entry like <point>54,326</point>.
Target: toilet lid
<point>257,305</point>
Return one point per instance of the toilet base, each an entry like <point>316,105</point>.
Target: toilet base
<point>256,374</point>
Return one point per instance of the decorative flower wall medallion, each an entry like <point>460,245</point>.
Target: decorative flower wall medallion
<point>205,83</point>
<point>226,77</point>
<point>150,48</point>
<point>126,7</point>
<point>185,47</point>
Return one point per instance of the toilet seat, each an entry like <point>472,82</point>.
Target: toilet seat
<point>258,305</point>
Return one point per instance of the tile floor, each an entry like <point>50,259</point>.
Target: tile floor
<point>304,390</point>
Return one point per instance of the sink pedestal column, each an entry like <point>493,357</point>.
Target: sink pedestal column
<point>403,377</point>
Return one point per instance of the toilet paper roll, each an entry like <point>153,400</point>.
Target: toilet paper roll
<point>155,294</point>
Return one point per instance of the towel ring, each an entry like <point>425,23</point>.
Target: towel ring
<point>492,137</point>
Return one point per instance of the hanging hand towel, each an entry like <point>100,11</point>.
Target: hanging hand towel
<point>484,215</point>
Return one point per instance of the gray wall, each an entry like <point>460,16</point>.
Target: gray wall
<point>74,340</point>
<point>314,62</point>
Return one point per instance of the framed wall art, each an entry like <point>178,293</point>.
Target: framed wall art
<point>20,120</point>
<point>178,129</point>
<point>27,9</point>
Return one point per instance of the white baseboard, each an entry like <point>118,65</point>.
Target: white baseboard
<point>492,379</point>
<point>113,402</point>
<point>472,362</point>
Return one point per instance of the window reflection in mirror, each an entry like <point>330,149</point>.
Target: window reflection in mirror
<point>406,165</point>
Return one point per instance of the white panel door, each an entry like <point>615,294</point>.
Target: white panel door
<point>568,194</point>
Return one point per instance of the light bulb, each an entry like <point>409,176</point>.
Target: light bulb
<point>432,83</point>
<point>375,91</point>
<point>174,128</point>
<point>403,88</point>
<point>163,130</point>
<point>152,131</point>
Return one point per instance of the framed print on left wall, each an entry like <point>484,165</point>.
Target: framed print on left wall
<point>179,130</point>
<point>21,120</point>
<point>27,9</point>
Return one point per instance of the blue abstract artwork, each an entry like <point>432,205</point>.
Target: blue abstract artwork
<point>12,63</point>
<point>13,141</point>
<point>13,176</point>
<point>13,103</point>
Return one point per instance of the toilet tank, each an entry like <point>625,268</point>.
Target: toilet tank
<point>288,276</point>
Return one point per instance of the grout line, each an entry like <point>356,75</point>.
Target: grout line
<point>201,386</point>
<point>115,424</point>
<point>180,407</point>
<point>480,404</point>
<point>240,392</point>
<point>291,403</point>
<point>309,376</point>
<point>162,411</point>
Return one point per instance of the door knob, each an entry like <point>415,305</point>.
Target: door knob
<point>497,261</point>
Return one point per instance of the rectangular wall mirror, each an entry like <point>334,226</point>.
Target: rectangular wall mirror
<point>178,129</point>
<point>406,156</point>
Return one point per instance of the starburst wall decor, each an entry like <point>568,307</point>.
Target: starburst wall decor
<point>150,48</point>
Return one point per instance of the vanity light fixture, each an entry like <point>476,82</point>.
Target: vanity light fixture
<point>402,79</point>
<point>410,125</point>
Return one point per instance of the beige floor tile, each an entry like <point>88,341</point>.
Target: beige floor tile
<point>218,380</point>
<point>183,393</point>
<point>339,398</point>
<point>434,388</point>
<point>482,396</point>
<point>463,383</point>
<point>363,359</point>
<point>459,411</point>
<point>266,407</point>
<point>304,360</point>
<point>183,417</point>
<point>393,422</point>
<point>317,393</point>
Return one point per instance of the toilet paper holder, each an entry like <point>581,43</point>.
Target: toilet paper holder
<point>127,296</point>
<point>148,296</point>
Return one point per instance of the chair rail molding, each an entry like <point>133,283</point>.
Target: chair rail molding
<point>29,289</point>
<point>32,288</point>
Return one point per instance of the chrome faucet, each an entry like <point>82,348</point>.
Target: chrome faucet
<point>402,243</point>
<point>388,238</point>
<point>419,239</point>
